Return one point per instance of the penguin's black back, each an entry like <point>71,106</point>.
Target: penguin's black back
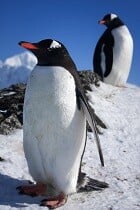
<point>105,45</point>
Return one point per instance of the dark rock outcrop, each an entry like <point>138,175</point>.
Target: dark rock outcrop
<point>89,77</point>
<point>11,108</point>
<point>12,99</point>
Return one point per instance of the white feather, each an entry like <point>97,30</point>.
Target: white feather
<point>54,129</point>
<point>55,44</point>
<point>113,16</point>
<point>122,56</point>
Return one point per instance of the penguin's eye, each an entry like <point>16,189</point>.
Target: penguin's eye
<point>55,44</point>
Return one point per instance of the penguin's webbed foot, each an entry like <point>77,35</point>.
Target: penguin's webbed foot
<point>88,184</point>
<point>55,202</point>
<point>32,190</point>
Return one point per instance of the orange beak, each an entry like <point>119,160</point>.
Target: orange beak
<point>101,21</point>
<point>27,45</point>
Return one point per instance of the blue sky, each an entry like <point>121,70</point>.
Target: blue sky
<point>72,22</point>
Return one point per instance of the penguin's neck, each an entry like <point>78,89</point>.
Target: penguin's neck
<point>64,61</point>
<point>115,24</point>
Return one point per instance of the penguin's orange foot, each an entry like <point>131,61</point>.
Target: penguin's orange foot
<point>32,190</point>
<point>55,202</point>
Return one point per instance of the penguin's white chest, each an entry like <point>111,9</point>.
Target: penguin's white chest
<point>54,129</point>
<point>122,56</point>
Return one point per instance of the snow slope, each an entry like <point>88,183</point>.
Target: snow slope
<point>119,108</point>
<point>16,69</point>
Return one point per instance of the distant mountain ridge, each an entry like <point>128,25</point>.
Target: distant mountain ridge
<point>16,69</point>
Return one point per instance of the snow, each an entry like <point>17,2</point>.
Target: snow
<point>26,59</point>
<point>16,69</point>
<point>119,108</point>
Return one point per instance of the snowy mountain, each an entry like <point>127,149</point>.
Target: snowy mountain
<point>119,108</point>
<point>16,69</point>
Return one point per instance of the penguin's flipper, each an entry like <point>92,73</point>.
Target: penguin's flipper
<point>104,47</point>
<point>83,103</point>
<point>97,58</point>
<point>108,52</point>
<point>91,120</point>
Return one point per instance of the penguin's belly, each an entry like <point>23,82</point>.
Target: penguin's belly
<point>122,56</point>
<point>54,129</point>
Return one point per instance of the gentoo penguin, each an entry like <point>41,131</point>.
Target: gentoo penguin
<point>54,125</point>
<point>113,52</point>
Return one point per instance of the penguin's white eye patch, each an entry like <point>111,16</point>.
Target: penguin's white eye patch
<point>55,44</point>
<point>113,16</point>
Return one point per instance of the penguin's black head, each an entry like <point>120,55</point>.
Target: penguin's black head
<point>42,46</point>
<point>49,52</point>
<point>111,21</point>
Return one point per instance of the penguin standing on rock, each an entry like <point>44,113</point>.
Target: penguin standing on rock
<point>113,53</point>
<point>54,126</point>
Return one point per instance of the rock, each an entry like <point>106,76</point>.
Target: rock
<point>11,108</point>
<point>89,77</point>
<point>9,124</point>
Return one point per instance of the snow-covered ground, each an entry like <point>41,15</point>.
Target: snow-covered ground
<point>120,110</point>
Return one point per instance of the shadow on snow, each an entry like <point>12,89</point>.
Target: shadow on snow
<point>9,195</point>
